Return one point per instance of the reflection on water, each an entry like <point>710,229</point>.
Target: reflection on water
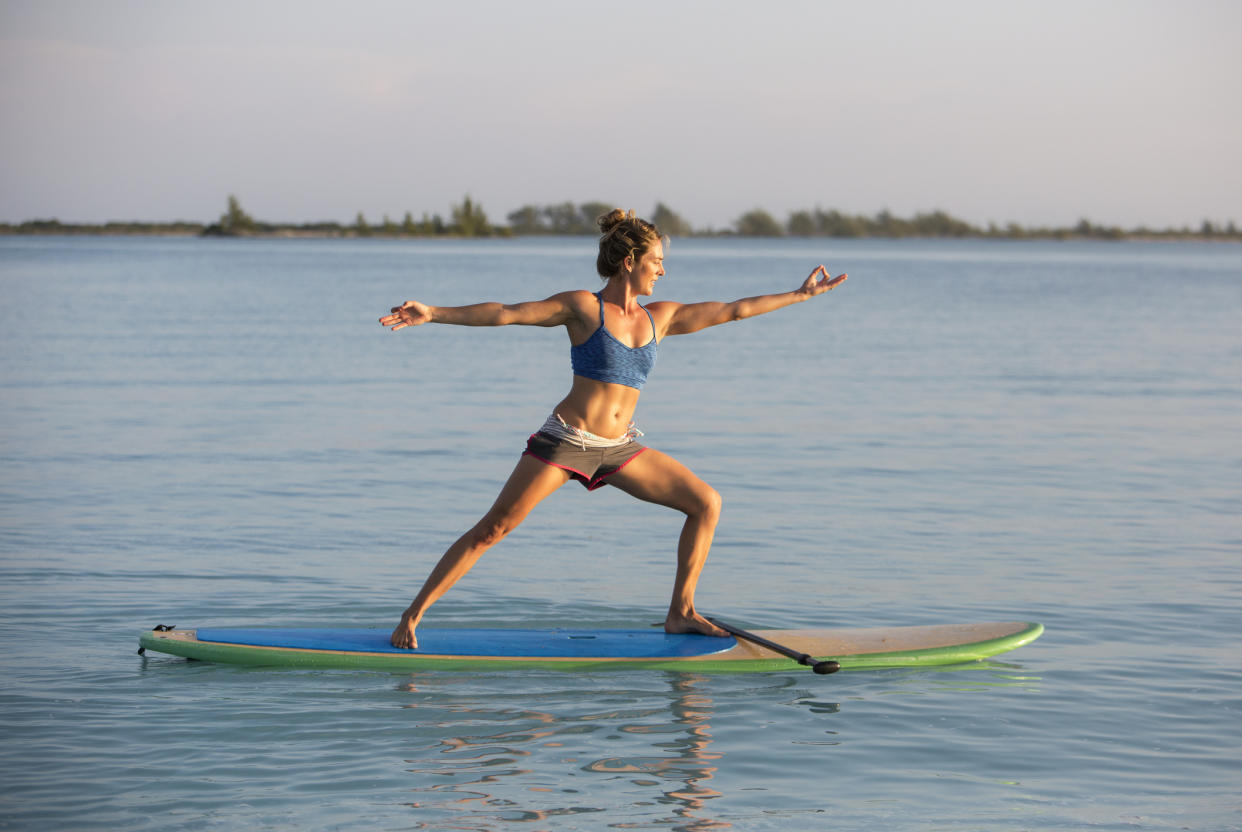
<point>537,751</point>
<point>685,763</point>
<point>540,746</point>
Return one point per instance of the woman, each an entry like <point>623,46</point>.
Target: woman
<point>590,436</point>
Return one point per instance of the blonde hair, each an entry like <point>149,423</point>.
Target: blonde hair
<point>623,235</point>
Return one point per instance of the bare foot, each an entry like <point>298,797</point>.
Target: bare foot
<point>692,623</point>
<point>403,636</point>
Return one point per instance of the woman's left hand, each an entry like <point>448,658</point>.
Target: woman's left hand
<point>410,313</point>
<point>821,281</point>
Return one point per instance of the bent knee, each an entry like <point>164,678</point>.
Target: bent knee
<point>707,502</point>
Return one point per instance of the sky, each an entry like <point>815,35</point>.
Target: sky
<point>1124,112</point>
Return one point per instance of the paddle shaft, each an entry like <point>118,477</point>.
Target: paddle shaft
<point>820,667</point>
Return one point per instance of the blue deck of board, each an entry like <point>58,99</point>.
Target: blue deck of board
<point>583,644</point>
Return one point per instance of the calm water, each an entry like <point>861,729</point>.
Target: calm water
<point>218,433</point>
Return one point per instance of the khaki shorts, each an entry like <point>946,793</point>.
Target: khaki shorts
<point>589,466</point>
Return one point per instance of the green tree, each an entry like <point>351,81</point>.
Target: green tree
<point>1086,229</point>
<point>887,225</point>
<point>407,225</point>
<point>801,224</point>
<point>361,226</point>
<point>470,220</point>
<point>670,222</point>
<point>758,223</point>
<point>562,218</point>
<point>940,224</point>
<point>235,220</point>
<point>836,224</point>
<point>526,220</point>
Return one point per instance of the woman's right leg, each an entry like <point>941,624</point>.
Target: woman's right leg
<point>530,482</point>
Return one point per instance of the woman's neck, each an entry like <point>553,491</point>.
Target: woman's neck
<point>622,293</point>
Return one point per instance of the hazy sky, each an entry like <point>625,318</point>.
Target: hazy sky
<point>1043,112</point>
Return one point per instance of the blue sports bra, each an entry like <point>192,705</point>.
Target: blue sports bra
<point>603,358</point>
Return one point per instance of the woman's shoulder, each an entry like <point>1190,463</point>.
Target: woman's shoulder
<point>578,299</point>
<point>662,309</point>
<point>578,305</point>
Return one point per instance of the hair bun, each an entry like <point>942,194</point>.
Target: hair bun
<point>612,219</point>
<point>623,235</point>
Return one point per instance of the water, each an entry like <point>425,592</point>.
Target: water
<point>217,432</point>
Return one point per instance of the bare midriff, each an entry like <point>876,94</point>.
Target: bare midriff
<point>599,407</point>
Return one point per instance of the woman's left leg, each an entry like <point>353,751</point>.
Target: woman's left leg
<point>658,478</point>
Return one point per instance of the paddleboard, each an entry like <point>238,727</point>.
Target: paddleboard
<point>586,649</point>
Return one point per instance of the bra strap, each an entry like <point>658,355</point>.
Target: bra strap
<point>653,329</point>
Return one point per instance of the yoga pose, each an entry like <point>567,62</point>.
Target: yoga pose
<point>590,435</point>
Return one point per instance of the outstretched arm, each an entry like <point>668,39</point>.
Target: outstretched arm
<point>692,317</point>
<point>554,311</point>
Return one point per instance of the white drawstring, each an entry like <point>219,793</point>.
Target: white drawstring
<point>558,427</point>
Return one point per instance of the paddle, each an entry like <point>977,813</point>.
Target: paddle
<point>820,667</point>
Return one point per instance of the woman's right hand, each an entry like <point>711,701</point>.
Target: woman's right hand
<point>410,313</point>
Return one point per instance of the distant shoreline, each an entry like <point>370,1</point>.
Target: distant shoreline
<point>43,229</point>
<point>469,220</point>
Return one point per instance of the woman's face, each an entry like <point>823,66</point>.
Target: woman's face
<point>649,269</point>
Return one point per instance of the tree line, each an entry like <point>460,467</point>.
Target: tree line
<point>469,219</point>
